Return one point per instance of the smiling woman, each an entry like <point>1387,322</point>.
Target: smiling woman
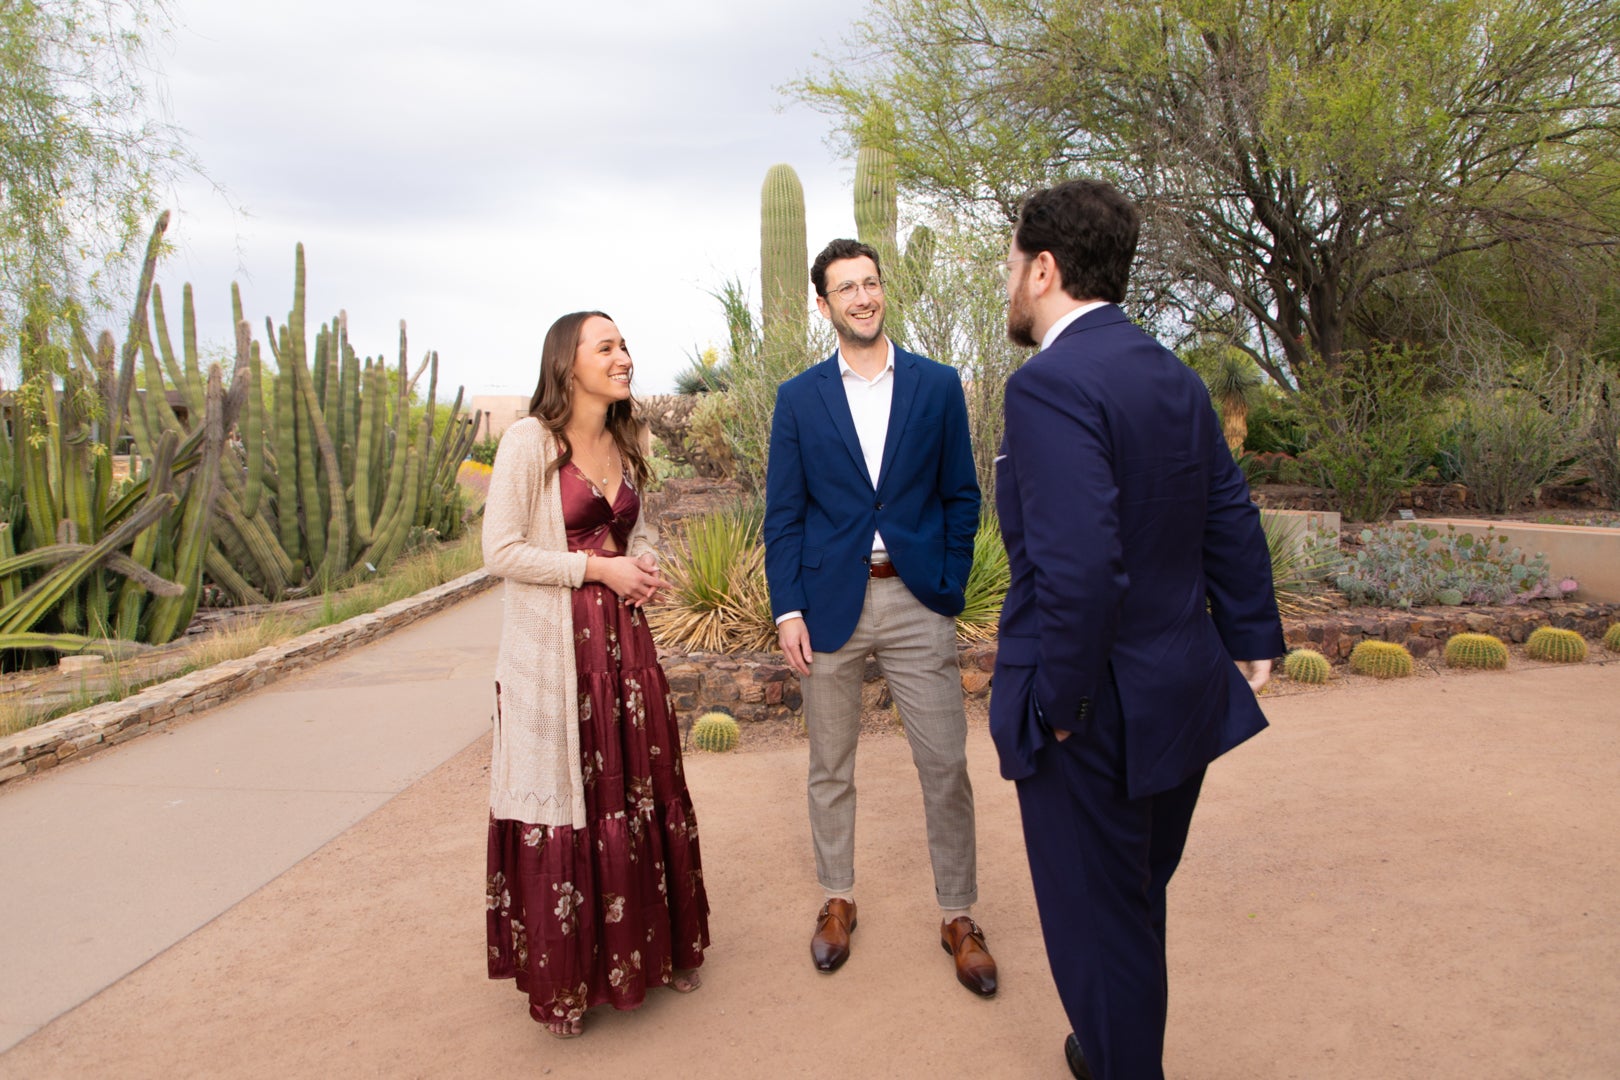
<point>595,886</point>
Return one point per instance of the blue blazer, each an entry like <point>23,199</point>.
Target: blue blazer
<point>1139,568</point>
<point>821,507</point>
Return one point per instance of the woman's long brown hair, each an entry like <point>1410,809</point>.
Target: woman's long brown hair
<point>553,401</point>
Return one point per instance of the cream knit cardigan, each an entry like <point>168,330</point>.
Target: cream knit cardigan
<point>534,773</point>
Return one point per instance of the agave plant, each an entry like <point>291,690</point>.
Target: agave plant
<point>986,584</point>
<point>716,564</point>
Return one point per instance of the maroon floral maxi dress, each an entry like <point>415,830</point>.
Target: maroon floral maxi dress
<point>593,916</point>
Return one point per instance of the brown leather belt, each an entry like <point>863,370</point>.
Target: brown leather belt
<point>883,569</point>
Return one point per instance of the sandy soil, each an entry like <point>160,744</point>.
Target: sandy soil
<point>1417,881</point>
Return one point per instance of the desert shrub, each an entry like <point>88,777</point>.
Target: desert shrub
<point>1515,431</point>
<point>709,429</point>
<point>705,374</point>
<point>986,584</point>
<point>1401,566</point>
<point>483,451</point>
<point>1372,429</point>
<point>1599,445</point>
<point>663,468</point>
<point>1275,425</point>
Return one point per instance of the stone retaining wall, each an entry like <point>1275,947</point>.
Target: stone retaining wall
<point>755,686</point>
<point>760,686</point>
<point>1424,630</point>
<point>94,729</point>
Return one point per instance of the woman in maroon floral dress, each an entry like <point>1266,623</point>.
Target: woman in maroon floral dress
<point>595,887</point>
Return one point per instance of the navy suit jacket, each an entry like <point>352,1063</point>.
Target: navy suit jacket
<point>821,507</point>
<point>1139,568</point>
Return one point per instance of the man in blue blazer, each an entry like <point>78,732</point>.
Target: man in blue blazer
<point>1139,575</point>
<point>871,505</point>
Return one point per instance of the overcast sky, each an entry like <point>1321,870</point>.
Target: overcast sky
<point>479,169</point>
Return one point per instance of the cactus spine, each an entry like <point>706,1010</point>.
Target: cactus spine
<point>715,732</point>
<point>1482,651</point>
<point>1381,660</point>
<point>1555,646</point>
<point>1307,666</point>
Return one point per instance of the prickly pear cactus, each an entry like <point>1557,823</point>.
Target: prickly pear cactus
<point>715,732</point>
<point>1555,646</point>
<point>1381,660</point>
<point>1476,651</point>
<point>1307,666</point>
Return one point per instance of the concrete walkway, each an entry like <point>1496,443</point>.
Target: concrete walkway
<point>107,863</point>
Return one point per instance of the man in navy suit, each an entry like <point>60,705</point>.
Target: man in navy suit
<point>1139,575</point>
<point>871,505</point>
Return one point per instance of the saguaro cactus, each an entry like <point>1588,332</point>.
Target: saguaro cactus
<point>784,261</point>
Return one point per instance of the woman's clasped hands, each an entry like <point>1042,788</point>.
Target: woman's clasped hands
<point>635,581</point>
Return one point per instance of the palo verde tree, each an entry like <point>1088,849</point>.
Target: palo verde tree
<point>82,158</point>
<point>1295,160</point>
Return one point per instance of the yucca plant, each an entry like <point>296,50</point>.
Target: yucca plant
<point>1298,565</point>
<point>986,584</point>
<point>712,558</point>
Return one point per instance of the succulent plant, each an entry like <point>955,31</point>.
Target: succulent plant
<point>1307,666</point>
<point>1611,638</point>
<point>715,731</point>
<point>1381,660</point>
<point>1476,651</point>
<point>1555,646</point>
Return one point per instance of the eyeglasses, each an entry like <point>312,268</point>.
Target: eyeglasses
<point>846,292</point>
<point>1004,268</point>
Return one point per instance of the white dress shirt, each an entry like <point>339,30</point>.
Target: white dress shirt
<point>869,401</point>
<point>1062,324</point>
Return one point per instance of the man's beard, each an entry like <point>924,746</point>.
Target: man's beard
<point>1020,319</point>
<point>846,330</point>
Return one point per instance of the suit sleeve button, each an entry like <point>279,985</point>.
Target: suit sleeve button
<point>877,506</point>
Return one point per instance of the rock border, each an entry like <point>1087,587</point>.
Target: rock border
<point>88,731</point>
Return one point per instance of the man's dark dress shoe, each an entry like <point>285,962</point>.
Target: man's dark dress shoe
<point>1077,1060</point>
<point>829,945</point>
<point>975,968</point>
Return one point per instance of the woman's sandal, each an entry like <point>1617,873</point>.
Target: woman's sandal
<point>566,1029</point>
<point>684,982</point>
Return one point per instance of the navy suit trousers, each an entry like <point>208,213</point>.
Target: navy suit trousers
<point>1100,863</point>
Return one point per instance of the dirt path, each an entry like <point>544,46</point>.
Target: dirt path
<point>1395,881</point>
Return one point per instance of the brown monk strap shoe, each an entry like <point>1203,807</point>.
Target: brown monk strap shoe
<point>975,968</point>
<point>829,945</point>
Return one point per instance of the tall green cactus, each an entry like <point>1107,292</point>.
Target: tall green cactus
<point>784,262</point>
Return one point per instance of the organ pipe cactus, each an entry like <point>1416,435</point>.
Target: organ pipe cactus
<point>69,532</point>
